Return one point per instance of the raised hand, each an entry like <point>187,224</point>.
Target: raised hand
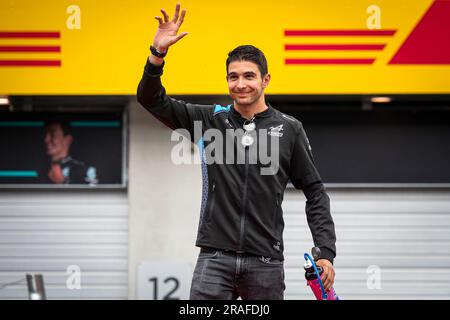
<point>166,35</point>
<point>55,173</point>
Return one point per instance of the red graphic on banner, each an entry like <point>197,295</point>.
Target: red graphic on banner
<point>429,42</point>
<point>329,47</point>
<point>22,59</point>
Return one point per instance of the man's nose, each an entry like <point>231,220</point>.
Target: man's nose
<point>241,83</point>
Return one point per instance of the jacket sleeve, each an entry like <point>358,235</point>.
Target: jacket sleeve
<point>176,114</point>
<point>304,175</point>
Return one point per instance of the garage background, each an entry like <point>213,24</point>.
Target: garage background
<point>393,237</point>
<point>371,84</point>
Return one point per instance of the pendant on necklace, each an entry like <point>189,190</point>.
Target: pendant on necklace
<point>247,140</point>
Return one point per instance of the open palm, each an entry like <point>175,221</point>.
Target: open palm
<point>166,35</point>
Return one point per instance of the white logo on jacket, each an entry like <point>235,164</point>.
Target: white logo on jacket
<point>275,131</point>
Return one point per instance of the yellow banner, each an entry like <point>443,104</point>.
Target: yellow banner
<point>312,47</point>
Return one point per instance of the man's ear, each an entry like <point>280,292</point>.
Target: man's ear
<point>266,80</point>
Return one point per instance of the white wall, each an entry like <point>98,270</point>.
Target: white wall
<point>47,231</point>
<point>164,199</point>
<point>391,243</point>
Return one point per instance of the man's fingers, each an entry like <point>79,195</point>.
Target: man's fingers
<point>176,14</point>
<point>159,19</point>
<point>325,278</point>
<point>328,280</point>
<point>327,284</point>
<point>325,274</point>
<point>183,13</point>
<point>166,16</point>
<point>181,35</point>
<point>332,278</point>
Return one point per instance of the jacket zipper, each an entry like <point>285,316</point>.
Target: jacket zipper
<point>244,200</point>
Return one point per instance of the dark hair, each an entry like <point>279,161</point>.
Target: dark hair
<point>249,53</point>
<point>65,126</point>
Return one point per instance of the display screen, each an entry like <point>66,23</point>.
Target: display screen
<point>382,147</point>
<point>62,149</point>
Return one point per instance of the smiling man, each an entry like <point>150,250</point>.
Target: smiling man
<point>240,231</point>
<point>247,77</point>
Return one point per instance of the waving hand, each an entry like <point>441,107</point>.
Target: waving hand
<point>166,35</point>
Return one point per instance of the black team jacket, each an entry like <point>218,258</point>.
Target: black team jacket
<point>243,191</point>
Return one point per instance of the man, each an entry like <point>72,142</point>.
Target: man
<point>63,168</point>
<point>241,222</point>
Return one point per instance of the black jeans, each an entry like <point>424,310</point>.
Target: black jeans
<point>227,275</point>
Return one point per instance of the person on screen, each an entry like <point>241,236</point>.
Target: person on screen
<point>240,232</point>
<point>64,169</point>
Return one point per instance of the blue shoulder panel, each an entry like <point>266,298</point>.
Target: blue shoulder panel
<point>218,108</point>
